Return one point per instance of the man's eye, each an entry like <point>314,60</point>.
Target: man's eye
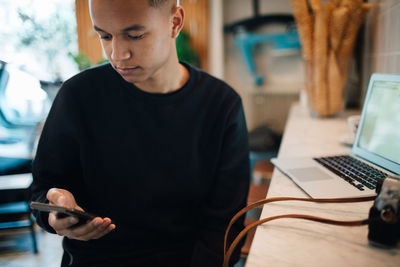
<point>105,37</point>
<point>135,37</point>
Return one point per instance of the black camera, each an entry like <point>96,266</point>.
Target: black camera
<point>384,216</point>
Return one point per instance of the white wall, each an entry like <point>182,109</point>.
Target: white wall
<point>381,51</point>
<point>284,78</point>
<point>216,42</point>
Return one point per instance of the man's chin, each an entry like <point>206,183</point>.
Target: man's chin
<point>133,79</point>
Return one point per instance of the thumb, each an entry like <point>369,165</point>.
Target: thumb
<point>61,197</point>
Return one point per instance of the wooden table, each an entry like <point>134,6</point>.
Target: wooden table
<point>296,242</point>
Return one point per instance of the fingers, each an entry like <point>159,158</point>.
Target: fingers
<point>94,229</point>
<point>61,224</point>
<point>106,229</point>
<point>99,227</point>
<point>61,197</point>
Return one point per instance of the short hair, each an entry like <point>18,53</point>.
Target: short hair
<point>158,3</point>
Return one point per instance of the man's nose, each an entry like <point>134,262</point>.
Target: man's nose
<point>120,50</point>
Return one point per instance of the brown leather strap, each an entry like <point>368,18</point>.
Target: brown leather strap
<point>228,252</point>
<point>243,233</point>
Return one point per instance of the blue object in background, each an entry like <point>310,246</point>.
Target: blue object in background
<point>281,41</point>
<point>246,40</point>
<point>10,140</point>
<point>256,156</point>
<point>10,165</point>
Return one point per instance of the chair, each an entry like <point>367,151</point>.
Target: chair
<point>15,177</point>
<point>264,144</point>
<point>14,209</point>
<point>17,215</point>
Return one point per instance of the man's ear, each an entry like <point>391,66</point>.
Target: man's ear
<point>178,16</point>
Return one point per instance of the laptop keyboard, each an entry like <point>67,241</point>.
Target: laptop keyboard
<point>354,171</point>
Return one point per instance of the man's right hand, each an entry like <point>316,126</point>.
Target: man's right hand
<point>93,229</point>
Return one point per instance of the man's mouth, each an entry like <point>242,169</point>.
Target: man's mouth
<point>126,70</point>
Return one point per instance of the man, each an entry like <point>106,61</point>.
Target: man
<point>155,144</point>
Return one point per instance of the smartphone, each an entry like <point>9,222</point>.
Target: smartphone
<point>63,212</point>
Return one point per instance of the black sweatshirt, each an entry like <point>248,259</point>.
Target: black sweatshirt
<point>170,169</point>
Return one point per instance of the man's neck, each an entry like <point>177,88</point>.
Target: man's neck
<point>169,79</point>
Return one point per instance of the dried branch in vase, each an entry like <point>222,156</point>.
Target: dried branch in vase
<point>328,32</point>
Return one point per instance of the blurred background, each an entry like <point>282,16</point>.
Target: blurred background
<point>253,45</point>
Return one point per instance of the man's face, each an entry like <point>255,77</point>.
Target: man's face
<point>136,37</point>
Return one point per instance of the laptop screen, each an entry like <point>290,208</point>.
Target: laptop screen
<point>379,134</point>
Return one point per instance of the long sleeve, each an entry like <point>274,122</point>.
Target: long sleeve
<point>57,160</point>
<point>229,193</point>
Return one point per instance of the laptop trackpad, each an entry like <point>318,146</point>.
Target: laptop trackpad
<point>309,174</point>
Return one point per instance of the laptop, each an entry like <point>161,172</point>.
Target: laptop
<point>375,152</point>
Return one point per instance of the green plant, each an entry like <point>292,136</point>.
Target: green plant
<point>185,51</point>
<point>81,60</point>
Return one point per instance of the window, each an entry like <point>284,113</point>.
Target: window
<point>39,36</point>
<point>38,39</point>
<point>22,100</point>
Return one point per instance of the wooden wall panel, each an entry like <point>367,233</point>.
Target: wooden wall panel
<point>88,40</point>
<point>197,25</point>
